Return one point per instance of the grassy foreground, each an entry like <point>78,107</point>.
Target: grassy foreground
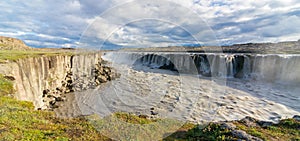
<point>19,121</point>
<point>285,130</point>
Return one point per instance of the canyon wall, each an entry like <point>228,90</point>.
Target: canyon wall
<point>44,80</point>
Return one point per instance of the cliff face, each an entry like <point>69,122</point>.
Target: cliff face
<point>44,80</point>
<point>12,43</point>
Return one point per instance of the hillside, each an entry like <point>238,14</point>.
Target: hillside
<point>8,43</point>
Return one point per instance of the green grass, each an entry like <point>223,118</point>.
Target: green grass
<point>287,129</point>
<point>6,86</point>
<point>19,121</point>
<point>212,131</point>
<point>13,55</point>
<point>124,126</point>
<point>131,118</point>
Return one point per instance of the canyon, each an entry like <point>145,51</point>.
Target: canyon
<point>43,80</point>
<point>187,86</point>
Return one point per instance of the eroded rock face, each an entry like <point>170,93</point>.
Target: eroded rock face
<point>44,80</point>
<point>75,83</point>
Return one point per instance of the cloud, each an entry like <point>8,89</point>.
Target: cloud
<point>149,32</point>
<point>48,18</point>
<point>93,8</point>
<point>141,23</point>
<point>252,21</point>
<point>156,24</point>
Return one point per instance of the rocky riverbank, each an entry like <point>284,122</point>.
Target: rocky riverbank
<point>78,82</point>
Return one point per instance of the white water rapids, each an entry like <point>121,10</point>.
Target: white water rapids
<point>263,87</point>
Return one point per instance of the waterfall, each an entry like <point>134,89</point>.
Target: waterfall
<point>283,68</point>
<point>230,65</point>
<point>204,67</point>
<point>246,67</point>
<point>265,67</point>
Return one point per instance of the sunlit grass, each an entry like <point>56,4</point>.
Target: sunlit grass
<point>19,121</point>
<point>6,86</point>
<point>126,126</point>
<point>211,132</point>
<point>13,55</point>
<point>287,129</point>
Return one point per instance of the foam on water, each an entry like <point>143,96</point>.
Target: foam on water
<point>165,93</point>
<point>277,68</point>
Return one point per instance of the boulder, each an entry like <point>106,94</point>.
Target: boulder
<point>249,121</point>
<point>228,125</point>
<point>243,135</point>
<point>265,124</point>
<point>102,79</point>
<point>296,117</point>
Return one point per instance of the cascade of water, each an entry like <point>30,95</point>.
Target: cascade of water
<point>204,66</point>
<point>271,68</point>
<point>230,64</point>
<point>223,65</point>
<point>289,69</point>
<point>276,68</point>
<point>246,67</point>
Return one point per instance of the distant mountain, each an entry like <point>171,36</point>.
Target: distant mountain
<point>8,43</point>
<point>288,47</point>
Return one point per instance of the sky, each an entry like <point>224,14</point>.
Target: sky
<point>112,24</point>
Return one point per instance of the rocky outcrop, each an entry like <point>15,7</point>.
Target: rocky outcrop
<point>239,134</point>
<point>45,80</point>
<point>8,43</point>
<point>256,125</point>
<point>75,82</point>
